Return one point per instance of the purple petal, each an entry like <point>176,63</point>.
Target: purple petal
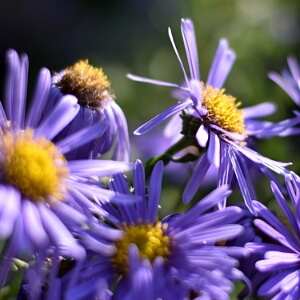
<point>33,226</point>
<point>177,55</point>
<point>60,235</point>
<point>201,206</point>
<point>259,110</point>
<point>154,81</point>
<point>190,44</point>
<point>63,113</point>
<point>40,97</point>
<point>196,179</point>
<point>10,210</point>
<point>155,191</point>
<point>98,167</point>
<point>163,116</point>
<point>222,64</point>
<point>289,89</point>
<point>81,137</point>
<point>213,153</point>
<point>202,136</point>
<point>241,181</point>
<point>140,188</point>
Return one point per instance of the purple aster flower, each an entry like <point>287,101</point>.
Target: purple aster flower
<point>96,105</point>
<point>281,255</point>
<point>176,258</point>
<point>44,197</point>
<point>214,119</point>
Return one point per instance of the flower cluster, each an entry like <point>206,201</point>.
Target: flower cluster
<point>74,225</point>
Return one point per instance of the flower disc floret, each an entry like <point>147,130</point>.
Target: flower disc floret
<point>89,84</point>
<point>222,110</point>
<point>151,241</point>
<point>34,166</point>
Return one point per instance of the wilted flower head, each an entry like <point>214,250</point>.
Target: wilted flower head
<point>214,119</point>
<point>44,197</point>
<point>169,259</point>
<point>97,104</point>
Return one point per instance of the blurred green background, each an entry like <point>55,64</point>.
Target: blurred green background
<point>131,37</point>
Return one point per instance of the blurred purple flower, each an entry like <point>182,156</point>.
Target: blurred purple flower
<point>281,257</point>
<point>289,81</point>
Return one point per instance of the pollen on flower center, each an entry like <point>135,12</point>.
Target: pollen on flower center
<point>89,84</point>
<point>222,110</point>
<point>34,166</point>
<point>151,241</point>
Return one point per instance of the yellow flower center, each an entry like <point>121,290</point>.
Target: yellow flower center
<point>222,110</point>
<point>89,84</point>
<point>151,241</point>
<point>34,166</point>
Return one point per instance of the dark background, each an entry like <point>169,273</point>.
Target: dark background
<point>131,37</point>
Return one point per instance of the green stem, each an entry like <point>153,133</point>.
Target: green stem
<point>167,156</point>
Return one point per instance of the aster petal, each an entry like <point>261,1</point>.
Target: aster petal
<point>19,106</point>
<point>276,166</point>
<point>226,216</point>
<point>95,245</point>
<point>63,113</point>
<point>202,136</point>
<point>16,87</point>
<point>276,223</point>
<point>163,116</point>
<point>190,44</point>
<point>293,93</point>
<point>154,81</point>
<point>140,187</point>
<point>206,203</point>
<point>173,126</point>
<point>178,56</point>
<point>241,180</point>
<point>100,195</point>
<point>273,284</point>
<point>81,137</point>
<point>60,235</point>
<point>216,234</point>
<point>40,97</point>
<point>294,67</point>
<point>264,247</point>
<point>196,179</point>
<point>120,185</point>
<point>213,153</point>
<point>3,119</point>
<point>122,151</point>
<point>69,214</point>
<point>10,210</point>
<point>288,241</point>
<point>33,225</point>
<point>285,208</point>
<point>155,190</point>
<point>97,167</point>
<point>275,260</point>
<point>259,110</point>
<point>221,65</point>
